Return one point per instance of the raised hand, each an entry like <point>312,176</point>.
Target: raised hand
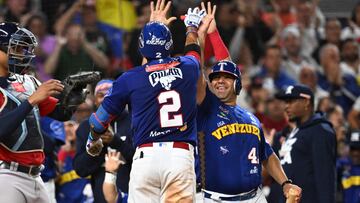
<point>49,88</point>
<point>209,18</point>
<point>194,16</point>
<point>112,161</point>
<point>159,12</point>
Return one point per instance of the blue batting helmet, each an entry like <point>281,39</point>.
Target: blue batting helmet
<point>155,40</point>
<point>6,30</point>
<point>21,50</point>
<point>228,67</point>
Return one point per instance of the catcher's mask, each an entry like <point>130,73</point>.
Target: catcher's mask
<point>228,67</point>
<point>155,41</point>
<point>21,50</point>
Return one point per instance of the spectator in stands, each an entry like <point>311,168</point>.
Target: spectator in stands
<point>275,77</point>
<point>84,14</point>
<point>70,185</point>
<point>354,115</point>
<point>37,24</point>
<point>292,51</point>
<point>308,77</point>
<point>353,29</point>
<point>335,115</point>
<point>343,88</point>
<point>274,116</point>
<point>350,62</point>
<point>73,54</point>
<point>16,10</point>
<point>307,26</point>
<point>54,137</point>
<point>250,28</point>
<point>331,36</point>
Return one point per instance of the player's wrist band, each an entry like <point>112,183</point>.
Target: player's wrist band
<point>191,31</point>
<point>110,178</point>
<point>288,181</point>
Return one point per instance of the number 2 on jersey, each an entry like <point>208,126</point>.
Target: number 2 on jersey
<point>252,156</point>
<point>172,106</point>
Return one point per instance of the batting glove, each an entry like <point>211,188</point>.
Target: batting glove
<point>193,17</point>
<point>94,147</point>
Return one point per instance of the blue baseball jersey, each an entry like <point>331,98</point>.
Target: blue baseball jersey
<point>162,97</point>
<point>351,185</point>
<point>234,147</point>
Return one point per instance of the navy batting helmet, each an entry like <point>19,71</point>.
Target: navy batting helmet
<point>155,40</point>
<point>6,30</point>
<point>21,50</point>
<point>228,67</point>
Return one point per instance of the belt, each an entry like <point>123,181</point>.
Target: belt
<point>181,145</point>
<point>14,166</point>
<point>243,197</point>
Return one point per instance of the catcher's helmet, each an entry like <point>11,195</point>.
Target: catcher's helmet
<point>228,67</point>
<point>155,40</point>
<point>6,30</point>
<point>21,50</point>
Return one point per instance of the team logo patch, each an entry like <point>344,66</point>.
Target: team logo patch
<point>18,87</point>
<point>155,41</point>
<point>224,150</point>
<point>254,170</point>
<point>165,77</point>
<point>222,116</point>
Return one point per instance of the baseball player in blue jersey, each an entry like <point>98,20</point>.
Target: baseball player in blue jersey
<point>350,180</point>
<point>162,96</point>
<point>234,147</point>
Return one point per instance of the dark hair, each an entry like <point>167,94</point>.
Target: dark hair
<point>38,16</point>
<point>272,46</point>
<point>353,12</point>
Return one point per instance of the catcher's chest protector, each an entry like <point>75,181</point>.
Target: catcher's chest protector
<point>28,135</point>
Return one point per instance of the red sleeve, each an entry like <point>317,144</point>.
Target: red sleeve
<point>221,52</point>
<point>47,106</point>
<point>61,155</point>
<point>208,50</point>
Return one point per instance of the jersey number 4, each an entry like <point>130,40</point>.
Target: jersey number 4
<point>252,156</point>
<point>169,111</point>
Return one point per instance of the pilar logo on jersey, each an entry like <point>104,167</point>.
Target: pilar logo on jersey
<point>165,77</point>
<point>234,128</point>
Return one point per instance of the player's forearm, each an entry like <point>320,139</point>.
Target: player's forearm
<point>99,122</point>
<point>10,121</point>
<point>274,168</point>
<point>110,193</point>
<point>191,36</point>
<point>220,50</point>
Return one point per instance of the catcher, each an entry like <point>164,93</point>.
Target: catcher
<point>23,99</point>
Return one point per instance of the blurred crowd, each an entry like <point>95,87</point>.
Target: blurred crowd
<point>276,43</point>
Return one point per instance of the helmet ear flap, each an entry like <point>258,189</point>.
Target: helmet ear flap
<point>237,86</point>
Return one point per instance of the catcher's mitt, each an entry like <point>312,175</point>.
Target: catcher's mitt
<point>75,91</point>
